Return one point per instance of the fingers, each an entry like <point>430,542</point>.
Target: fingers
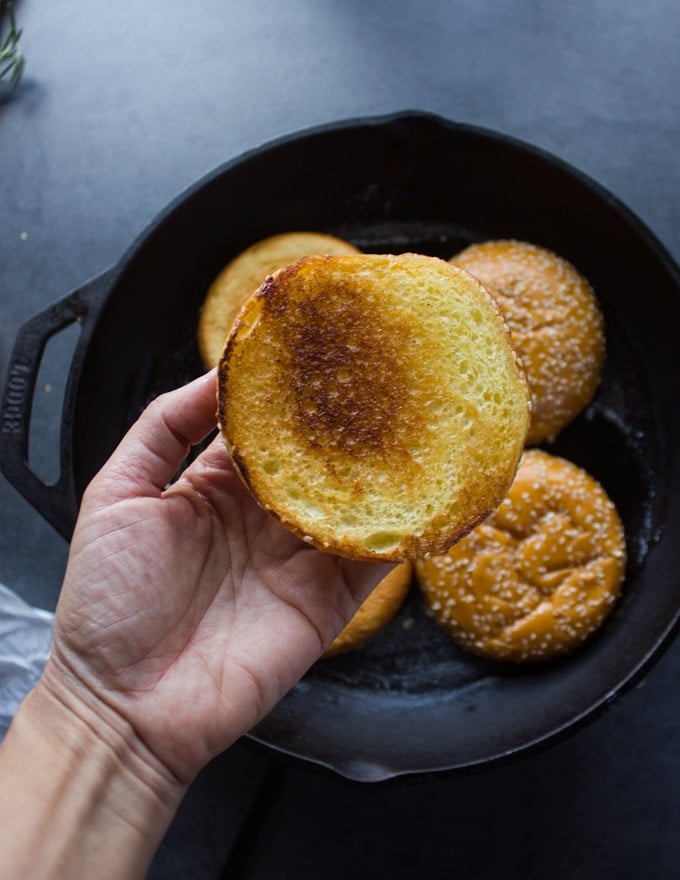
<point>151,452</point>
<point>363,577</point>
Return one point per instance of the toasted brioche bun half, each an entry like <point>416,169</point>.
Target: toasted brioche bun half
<point>245,273</point>
<point>374,403</point>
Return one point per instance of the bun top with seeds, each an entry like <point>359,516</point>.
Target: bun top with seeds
<point>555,324</point>
<point>374,403</point>
<point>540,575</point>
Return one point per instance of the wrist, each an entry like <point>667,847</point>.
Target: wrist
<point>81,794</point>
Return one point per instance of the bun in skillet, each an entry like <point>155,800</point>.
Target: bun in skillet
<point>245,273</point>
<point>375,612</point>
<point>555,323</point>
<point>540,575</point>
<point>373,403</point>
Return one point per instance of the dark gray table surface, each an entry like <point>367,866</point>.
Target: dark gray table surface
<point>125,104</point>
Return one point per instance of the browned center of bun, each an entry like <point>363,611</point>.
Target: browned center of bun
<point>345,371</point>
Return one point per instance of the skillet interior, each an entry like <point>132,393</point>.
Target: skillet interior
<point>410,701</point>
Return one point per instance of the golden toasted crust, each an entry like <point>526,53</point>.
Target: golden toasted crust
<point>540,575</point>
<point>245,273</point>
<point>376,611</point>
<point>373,403</point>
<point>555,324</point>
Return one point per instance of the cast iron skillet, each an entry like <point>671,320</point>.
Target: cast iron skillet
<point>410,702</point>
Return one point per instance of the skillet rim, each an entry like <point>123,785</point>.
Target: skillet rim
<point>637,227</point>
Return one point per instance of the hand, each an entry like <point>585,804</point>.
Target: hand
<point>186,614</point>
<point>187,610</point>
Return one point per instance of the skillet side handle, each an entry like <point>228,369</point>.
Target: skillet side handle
<point>56,502</point>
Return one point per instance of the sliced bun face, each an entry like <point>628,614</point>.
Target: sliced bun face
<point>374,403</point>
<point>245,273</point>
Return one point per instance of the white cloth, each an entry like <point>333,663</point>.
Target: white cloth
<point>25,641</point>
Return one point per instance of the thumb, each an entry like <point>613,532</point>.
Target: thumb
<point>149,455</point>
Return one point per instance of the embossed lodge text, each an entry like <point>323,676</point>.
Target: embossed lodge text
<point>12,407</point>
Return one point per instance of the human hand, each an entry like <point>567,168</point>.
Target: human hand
<point>188,612</point>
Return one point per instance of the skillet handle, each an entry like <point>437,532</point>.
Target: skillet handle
<point>56,502</point>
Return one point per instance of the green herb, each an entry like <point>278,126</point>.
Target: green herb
<point>11,56</point>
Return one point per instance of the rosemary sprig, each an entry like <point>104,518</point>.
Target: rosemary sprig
<point>11,56</point>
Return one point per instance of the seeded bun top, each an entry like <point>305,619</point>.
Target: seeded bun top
<point>555,323</point>
<point>540,575</point>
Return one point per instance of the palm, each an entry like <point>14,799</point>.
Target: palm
<point>205,613</point>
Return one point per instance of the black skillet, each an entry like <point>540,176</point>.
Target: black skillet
<point>409,702</point>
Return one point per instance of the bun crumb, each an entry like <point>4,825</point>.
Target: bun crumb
<point>374,403</point>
